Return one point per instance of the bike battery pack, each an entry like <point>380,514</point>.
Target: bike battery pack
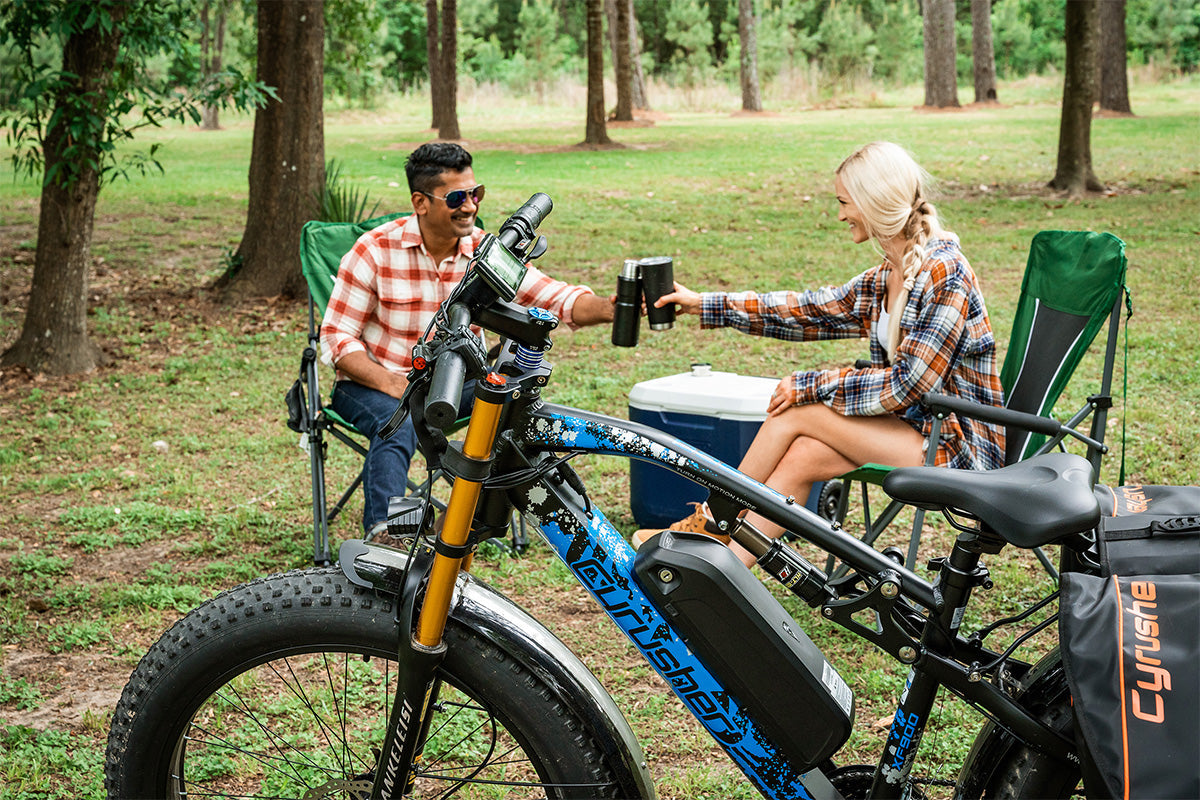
<point>742,634</point>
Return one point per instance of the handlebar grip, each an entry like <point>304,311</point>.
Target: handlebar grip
<point>449,374</point>
<point>996,414</point>
<point>525,220</point>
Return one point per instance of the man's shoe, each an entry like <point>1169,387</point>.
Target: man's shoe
<point>698,522</point>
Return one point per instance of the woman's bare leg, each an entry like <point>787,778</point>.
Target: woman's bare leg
<point>811,443</point>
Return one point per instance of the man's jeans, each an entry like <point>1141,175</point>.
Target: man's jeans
<point>385,472</point>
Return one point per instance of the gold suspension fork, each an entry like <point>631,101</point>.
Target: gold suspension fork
<point>471,469</point>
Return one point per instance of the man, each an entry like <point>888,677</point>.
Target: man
<point>387,290</point>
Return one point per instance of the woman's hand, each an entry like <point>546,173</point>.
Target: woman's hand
<point>783,398</point>
<point>687,300</point>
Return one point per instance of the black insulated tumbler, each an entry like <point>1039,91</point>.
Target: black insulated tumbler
<point>629,305</point>
<point>658,278</point>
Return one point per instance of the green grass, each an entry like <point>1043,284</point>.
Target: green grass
<point>106,537</point>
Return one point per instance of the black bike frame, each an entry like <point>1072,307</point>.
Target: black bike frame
<point>602,561</point>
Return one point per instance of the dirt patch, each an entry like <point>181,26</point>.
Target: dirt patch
<point>86,682</point>
<point>754,114</point>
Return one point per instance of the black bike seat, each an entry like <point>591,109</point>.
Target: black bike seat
<point>1031,503</point>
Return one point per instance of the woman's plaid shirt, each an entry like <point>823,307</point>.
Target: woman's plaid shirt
<point>946,345</point>
<point>388,289</point>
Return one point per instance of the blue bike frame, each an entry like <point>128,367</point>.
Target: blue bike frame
<point>601,559</point>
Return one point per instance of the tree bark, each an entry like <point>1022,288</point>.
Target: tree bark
<point>1074,172</point>
<point>433,52</point>
<point>287,161</point>
<point>595,130</point>
<point>637,80</point>
<point>751,95</point>
<point>941,78</point>
<point>622,67</point>
<point>982,53</point>
<point>212,47</point>
<point>640,100</point>
<point>54,337</point>
<point>1114,83</point>
<point>448,129</point>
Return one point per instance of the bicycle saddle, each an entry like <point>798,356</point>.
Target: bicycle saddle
<point>1029,504</point>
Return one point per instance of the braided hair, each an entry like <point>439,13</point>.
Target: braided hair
<point>890,190</point>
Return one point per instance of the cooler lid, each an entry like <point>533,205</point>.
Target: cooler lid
<point>706,392</point>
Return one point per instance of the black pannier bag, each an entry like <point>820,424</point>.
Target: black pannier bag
<point>1131,646</point>
<point>1121,501</point>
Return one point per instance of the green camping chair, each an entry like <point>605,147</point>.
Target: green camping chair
<point>322,245</point>
<point>1074,281</point>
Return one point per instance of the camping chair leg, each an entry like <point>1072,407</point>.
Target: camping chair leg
<point>321,554</point>
<point>872,528</point>
<point>914,541</point>
<point>345,498</point>
<point>1046,562</point>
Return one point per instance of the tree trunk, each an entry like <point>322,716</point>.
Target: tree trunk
<point>640,100</point>
<point>212,46</point>
<point>622,67</point>
<point>54,337</point>
<point>448,127</point>
<point>287,162</point>
<point>751,95</point>
<point>433,52</point>
<point>1114,83</point>
<point>613,9</point>
<point>941,79</point>
<point>982,52</point>
<point>595,131</point>
<point>1074,173</point>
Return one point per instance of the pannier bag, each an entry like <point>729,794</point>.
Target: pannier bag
<point>1120,501</point>
<point>1131,646</point>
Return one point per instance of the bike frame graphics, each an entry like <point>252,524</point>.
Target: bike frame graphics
<point>600,558</point>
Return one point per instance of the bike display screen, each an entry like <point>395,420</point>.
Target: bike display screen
<point>499,268</point>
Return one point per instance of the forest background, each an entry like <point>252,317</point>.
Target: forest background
<point>809,51</point>
<point>129,494</point>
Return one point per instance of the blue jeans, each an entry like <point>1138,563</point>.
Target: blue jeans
<point>385,473</point>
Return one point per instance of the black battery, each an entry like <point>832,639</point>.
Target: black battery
<point>746,638</point>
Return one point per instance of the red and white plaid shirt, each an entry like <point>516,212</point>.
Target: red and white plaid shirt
<point>388,288</point>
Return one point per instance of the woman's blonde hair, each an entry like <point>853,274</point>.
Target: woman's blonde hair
<point>890,190</point>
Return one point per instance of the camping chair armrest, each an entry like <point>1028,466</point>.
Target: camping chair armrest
<point>943,404</point>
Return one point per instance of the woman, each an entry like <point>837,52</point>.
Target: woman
<point>924,315</point>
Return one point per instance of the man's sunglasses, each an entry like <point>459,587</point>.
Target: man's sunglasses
<point>459,196</point>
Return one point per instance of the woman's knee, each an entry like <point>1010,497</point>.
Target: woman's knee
<point>807,460</point>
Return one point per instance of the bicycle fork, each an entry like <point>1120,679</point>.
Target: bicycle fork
<point>421,653</point>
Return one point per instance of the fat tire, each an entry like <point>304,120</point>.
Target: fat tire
<point>1017,770</point>
<point>319,610</point>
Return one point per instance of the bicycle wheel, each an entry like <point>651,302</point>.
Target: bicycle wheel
<point>1019,771</point>
<point>282,688</point>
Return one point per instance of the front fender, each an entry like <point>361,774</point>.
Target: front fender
<point>506,625</point>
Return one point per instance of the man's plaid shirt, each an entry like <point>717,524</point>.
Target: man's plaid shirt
<point>388,289</point>
<point>946,345</point>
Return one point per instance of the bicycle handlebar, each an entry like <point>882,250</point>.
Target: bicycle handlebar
<point>449,374</point>
<point>450,369</point>
<point>525,220</point>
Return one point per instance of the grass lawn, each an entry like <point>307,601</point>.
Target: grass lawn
<point>130,494</point>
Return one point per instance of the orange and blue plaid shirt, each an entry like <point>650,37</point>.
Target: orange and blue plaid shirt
<point>388,288</point>
<point>946,345</point>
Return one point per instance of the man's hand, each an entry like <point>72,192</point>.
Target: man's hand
<point>592,309</point>
<point>360,368</point>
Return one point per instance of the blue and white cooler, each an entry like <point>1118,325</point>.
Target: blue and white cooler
<point>718,412</point>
